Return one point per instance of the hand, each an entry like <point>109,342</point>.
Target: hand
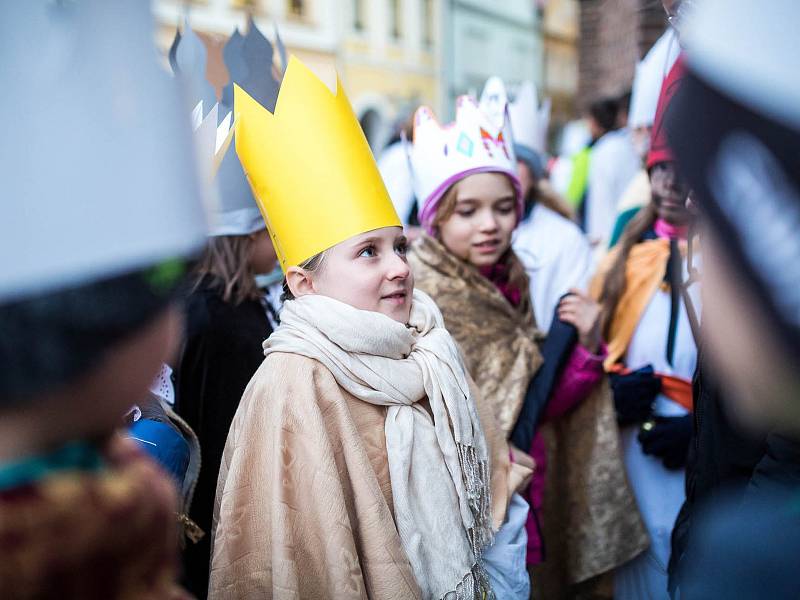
<point>634,394</point>
<point>583,313</point>
<point>667,438</point>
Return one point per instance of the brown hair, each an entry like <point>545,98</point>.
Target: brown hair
<point>311,265</point>
<point>226,260</point>
<point>446,206</point>
<point>615,281</point>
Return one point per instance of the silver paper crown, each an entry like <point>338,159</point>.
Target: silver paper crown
<point>249,59</point>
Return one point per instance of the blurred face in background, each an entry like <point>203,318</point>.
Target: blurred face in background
<point>669,193</point>
<point>263,258</point>
<point>92,405</point>
<point>477,217</point>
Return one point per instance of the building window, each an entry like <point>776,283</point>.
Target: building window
<point>297,8</point>
<point>427,24</point>
<point>396,18</point>
<point>358,15</point>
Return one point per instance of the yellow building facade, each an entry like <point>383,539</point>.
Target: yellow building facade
<point>385,51</point>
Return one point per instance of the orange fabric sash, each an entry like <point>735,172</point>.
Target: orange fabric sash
<point>644,273</point>
<point>678,390</point>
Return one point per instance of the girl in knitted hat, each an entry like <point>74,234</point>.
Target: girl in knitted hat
<point>464,175</point>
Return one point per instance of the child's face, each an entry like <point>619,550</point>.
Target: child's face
<point>479,230</point>
<point>669,193</point>
<point>370,272</point>
<point>263,257</point>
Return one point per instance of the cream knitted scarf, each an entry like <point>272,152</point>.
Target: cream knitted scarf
<point>438,464</point>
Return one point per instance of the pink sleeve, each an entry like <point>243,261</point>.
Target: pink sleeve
<point>581,373</point>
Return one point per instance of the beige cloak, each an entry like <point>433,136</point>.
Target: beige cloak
<point>304,499</point>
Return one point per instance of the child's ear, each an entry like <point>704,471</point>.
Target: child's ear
<point>299,282</point>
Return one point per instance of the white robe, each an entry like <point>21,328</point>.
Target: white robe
<point>612,166</point>
<point>556,256</point>
<point>659,491</point>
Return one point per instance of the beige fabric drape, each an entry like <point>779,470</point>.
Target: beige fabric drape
<point>498,341</point>
<point>304,495</point>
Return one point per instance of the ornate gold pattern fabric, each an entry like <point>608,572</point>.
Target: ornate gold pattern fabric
<point>498,340</point>
<point>590,519</point>
<point>304,496</point>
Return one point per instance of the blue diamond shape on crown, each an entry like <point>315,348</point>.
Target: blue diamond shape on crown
<point>465,145</point>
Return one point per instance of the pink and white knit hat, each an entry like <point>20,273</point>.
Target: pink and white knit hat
<point>443,155</point>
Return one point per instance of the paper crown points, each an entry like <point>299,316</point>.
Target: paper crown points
<point>188,58</point>
<point>529,121</point>
<point>248,59</point>
<point>441,155</point>
<point>649,75</point>
<point>250,62</point>
<point>211,139</point>
<point>315,179</point>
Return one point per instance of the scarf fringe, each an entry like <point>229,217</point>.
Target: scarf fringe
<point>474,586</point>
<point>476,478</point>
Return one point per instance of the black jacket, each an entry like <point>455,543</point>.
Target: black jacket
<point>747,546</point>
<point>221,353</point>
<point>722,458</point>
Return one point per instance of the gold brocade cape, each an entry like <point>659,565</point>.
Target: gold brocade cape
<point>498,340</point>
<point>92,534</point>
<point>304,498</point>
<point>590,519</point>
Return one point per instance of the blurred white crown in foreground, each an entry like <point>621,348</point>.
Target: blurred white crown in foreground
<point>750,51</point>
<point>95,182</point>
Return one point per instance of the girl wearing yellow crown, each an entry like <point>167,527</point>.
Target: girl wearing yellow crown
<point>465,180</point>
<point>358,464</point>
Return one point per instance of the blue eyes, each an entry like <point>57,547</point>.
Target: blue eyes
<point>371,251</point>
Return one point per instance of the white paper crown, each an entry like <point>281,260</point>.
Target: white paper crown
<point>650,74</point>
<point>529,121</point>
<point>89,132</point>
<point>442,155</point>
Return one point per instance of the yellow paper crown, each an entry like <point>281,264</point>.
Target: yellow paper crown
<point>310,167</point>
